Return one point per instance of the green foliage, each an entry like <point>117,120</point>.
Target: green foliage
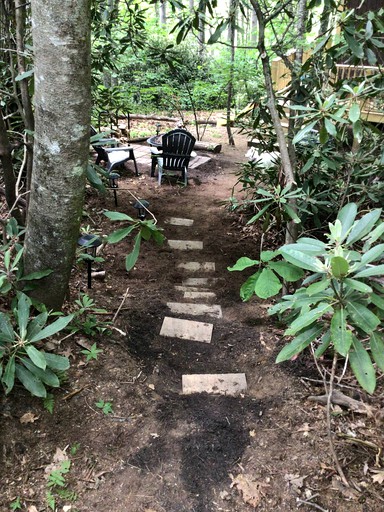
<point>85,317</point>
<point>49,403</point>
<point>92,353</point>
<point>57,486</point>
<point>12,275</point>
<point>339,305</point>
<point>16,504</point>
<point>106,407</point>
<point>21,357</point>
<point>145,230</point>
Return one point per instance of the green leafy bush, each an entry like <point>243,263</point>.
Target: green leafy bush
<point>21,357</point>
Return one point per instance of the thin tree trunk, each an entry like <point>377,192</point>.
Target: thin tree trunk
<point>231,40</point>
<point>289,177</point>
<point>61,40</point>
<point>163,13</point>
<point>27,112</point>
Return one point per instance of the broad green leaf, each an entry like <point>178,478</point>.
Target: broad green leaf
<point>362,366</point>
<point>306,248</point>
<point>303,132</point>
<point>268,255</point>
<point>53,328</point>
<point>36,275</point>
<point>339,267</point>
<point>267,285</point>
<point>324,344</point>
<point>301,260</point>
<point>375,234</point>
<point>347,216</point>
<point>330,127</point>
<point>307,319</point>
<point>363,226</point>
<point>288,272</point>
<point>24,75</point>
<point>340,335</point>
<point>355,47</point>
<point>6,330</point>
<point>247,289</point>
<point>318,287</point>
<point>56,362</point>
<point>377,349</point>
<point>36,356</point>
<point>313,243</point>
<point>357,129</point>
<point>377,300</point>
<point>119,216</point>
<point>373,254</point>
<point>23,306</point>
<point>297,345</point>
<point>8,377</point>
<point>47,376</point>
<point>36,324</point>
<point>373,270</point>
<point>357,285</point>
<point>119,234</point>
<point>291,213</point>
<point>354,112</point>
<point>259,214</point>
<point>131,259</point>
<point>362,317</point>
<point>30,382</point>
<point>243,263</point>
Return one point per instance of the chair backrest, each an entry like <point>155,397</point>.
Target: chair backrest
<point>177,146</point>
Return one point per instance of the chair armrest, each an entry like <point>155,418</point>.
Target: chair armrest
<point>121,148</point>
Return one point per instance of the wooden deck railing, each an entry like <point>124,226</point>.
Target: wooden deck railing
<point>372,110</point>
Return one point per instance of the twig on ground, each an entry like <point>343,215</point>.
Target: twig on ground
<point>121,305</point>
<point>314,505</point>
<point>339,398</point>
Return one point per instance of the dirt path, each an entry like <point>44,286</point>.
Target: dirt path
<point>159,450</point>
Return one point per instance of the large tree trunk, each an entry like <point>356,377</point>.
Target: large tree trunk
<point>61,40</point>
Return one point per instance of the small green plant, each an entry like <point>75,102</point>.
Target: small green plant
<point>340,304</point>
<point>146,229</point>
<point>86,320</point>
<point>75,448</point>
<point>49,403</point>
<point>92,353</point>
<point>106,407</point>
<point>57,485</point>
<point>16,504</point>
<point>21,357</point>
<point>12,273</point>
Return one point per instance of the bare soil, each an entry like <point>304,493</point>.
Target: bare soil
<point>161,451</point>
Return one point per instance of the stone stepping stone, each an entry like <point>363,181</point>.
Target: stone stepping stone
<point>199,281</point>
<point>177,221</point>
<point>186,329</point>
<point>199,295</point>
<point>185,245</point>
<point>185,308</point>
<point>217,384</point>
<point>194,266</point>
<point>190,289</point>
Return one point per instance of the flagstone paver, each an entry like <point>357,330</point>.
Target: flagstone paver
<point>218,384</point>
<point>194,266</point>
<point>186,329</point>
<point>185,245</point>
<point>199,281</point>
<point>185,308</point>
<point>199,295</point>
<point>177,221</point>
<point>190,289</point>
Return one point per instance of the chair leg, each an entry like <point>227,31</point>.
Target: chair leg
<point>132,156</point>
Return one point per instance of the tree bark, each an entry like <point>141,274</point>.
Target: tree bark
<point>61,40</point>
<point>163,13</point>
<point>231,40</point>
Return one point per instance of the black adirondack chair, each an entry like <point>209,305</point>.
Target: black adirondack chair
<point>177,146</point>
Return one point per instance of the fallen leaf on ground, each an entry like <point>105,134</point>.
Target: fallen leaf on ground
<point>296,482</point>
<point>32,508</point>
<point>252,492</point>
<point>151,386</point>
<point>58,458</point>
<point>252,433</point>
<point>378,477</point>
<point>305,429</point>
<point>29,417</point>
